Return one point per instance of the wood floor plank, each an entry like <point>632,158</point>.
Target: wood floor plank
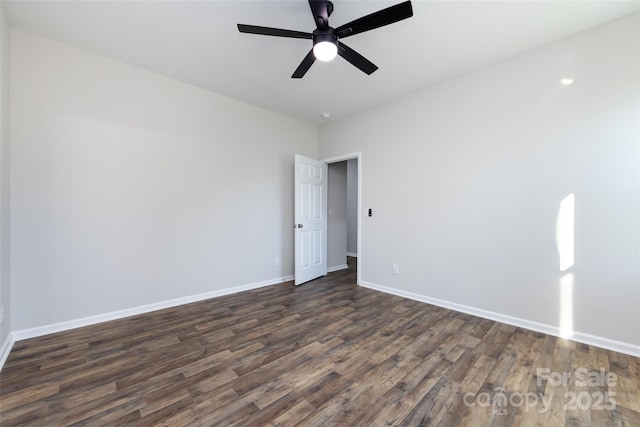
<point>297,412</point>
<point>325,353</point>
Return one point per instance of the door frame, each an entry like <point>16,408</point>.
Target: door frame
<point>356,155</point>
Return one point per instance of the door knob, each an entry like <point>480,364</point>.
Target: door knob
<point>299,225</point>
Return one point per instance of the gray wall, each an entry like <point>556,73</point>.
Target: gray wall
<point>466,179</point>
<point>128,188</point>
<point>5,298</point>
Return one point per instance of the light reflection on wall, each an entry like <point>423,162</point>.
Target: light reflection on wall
<point>566,306</point>
<point>565,232</point>
<point>565,235</point>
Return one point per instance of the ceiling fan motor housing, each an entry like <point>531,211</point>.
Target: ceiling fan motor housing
<point>328,35</point>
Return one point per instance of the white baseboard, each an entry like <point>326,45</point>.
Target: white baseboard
<point>337,268</point>
<point>92,320</point>
<point>6,349</point>
<point>606,343</point>
<point>352,254</point>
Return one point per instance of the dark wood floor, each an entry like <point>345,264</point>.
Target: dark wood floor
<point>326,353</point>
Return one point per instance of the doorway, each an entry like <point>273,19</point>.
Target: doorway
<point>344,214</point>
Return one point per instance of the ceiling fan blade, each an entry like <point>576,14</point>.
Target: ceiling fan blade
<point>356,59</point>
<point>376,20</point>
<point>268,31</point>
<point>304,66</point>
<point>320,13</point>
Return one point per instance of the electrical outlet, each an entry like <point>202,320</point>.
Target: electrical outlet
<point>1,313</point>
<point>276,261</point>
<point>395,269</point>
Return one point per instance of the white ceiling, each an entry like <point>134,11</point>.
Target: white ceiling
<point>198,43</point>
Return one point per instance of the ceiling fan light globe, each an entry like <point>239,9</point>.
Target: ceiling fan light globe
<point>325,51</point>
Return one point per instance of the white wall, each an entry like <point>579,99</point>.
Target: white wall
<point>466,178</point>
<point>352,206</point>
<point>128,188</point>
<point>5,298</point>
<point>337,219</point>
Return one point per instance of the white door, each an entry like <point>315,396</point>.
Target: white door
<point>310,219</point>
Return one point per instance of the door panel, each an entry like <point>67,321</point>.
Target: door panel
<point>310,219</point>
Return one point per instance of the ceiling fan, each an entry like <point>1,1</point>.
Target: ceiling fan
<point>326,43</point>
